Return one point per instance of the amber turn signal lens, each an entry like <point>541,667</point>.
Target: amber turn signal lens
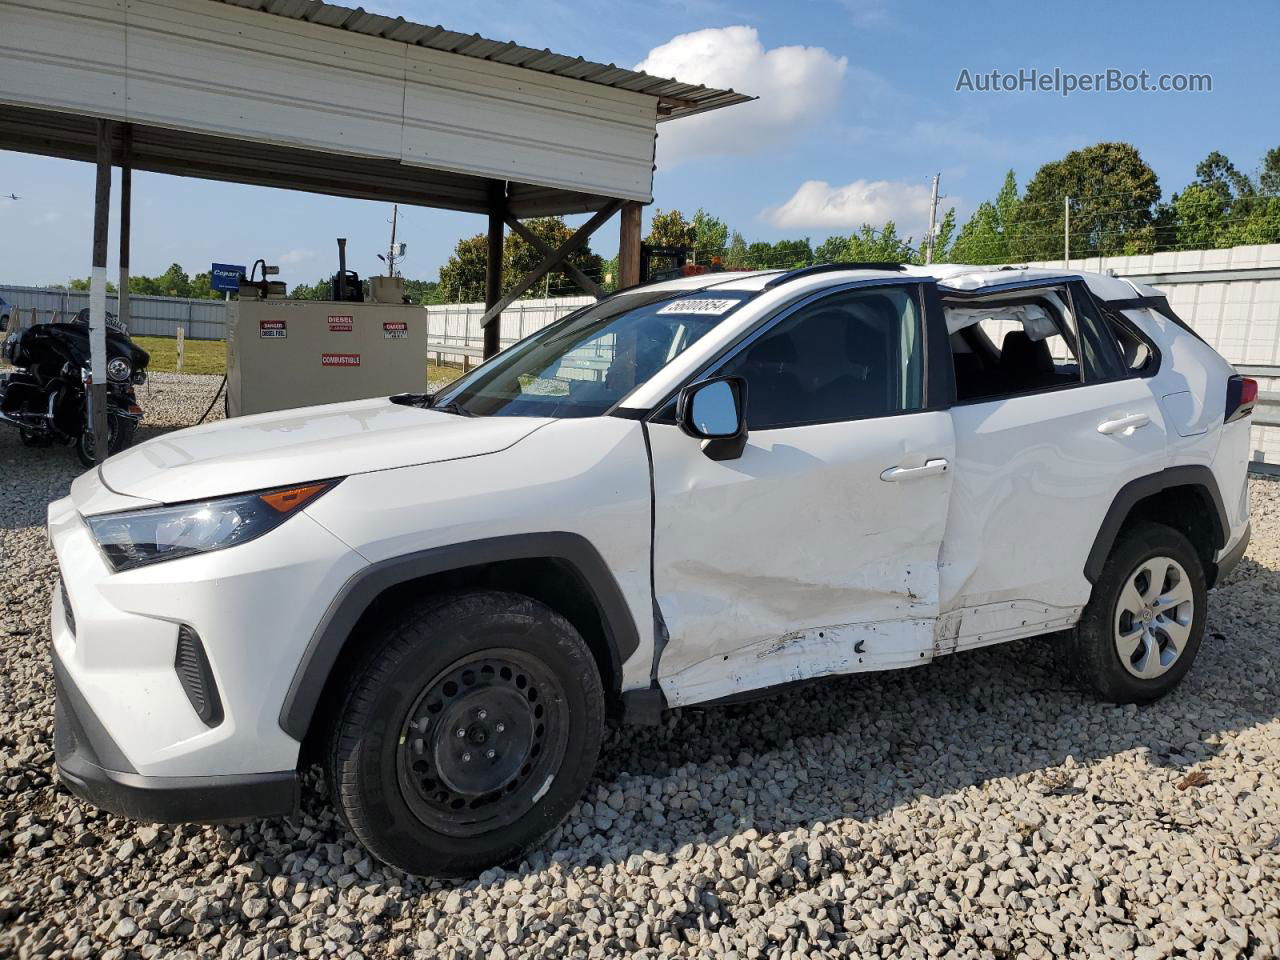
<point>285,500</point>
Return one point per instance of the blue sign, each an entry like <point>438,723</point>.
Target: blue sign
<point>226,276</point>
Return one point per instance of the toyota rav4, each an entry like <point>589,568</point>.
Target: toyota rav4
<point>687,492</point>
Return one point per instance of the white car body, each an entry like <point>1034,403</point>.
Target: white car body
<point>805,556</point>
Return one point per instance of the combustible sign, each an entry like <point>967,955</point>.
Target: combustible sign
<point>273,329</point>
<point>395,330</point>
<point>339,359</point>
<point>340,324</point>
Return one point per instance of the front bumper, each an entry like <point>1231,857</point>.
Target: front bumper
<point>94,769</point>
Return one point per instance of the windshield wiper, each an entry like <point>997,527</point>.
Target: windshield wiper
<point>451,407</point>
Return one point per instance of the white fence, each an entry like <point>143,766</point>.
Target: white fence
<point>148,316</point>
<point>459,323</point>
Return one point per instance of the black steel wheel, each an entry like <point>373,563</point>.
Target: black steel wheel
<point>484,737</point>
<point>466,733</point>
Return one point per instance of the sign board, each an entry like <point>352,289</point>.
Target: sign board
<point>341,324</point>
<point>225,277</point>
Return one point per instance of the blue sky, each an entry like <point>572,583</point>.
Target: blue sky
<point>857,109</point>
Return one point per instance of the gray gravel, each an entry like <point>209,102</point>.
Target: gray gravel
<point>977,807</point>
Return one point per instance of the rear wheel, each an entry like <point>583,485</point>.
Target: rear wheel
<point>1141,631</point>
<point>468,733</point>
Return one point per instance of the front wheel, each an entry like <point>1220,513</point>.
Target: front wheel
<point>1141,630</point>
<point>120,432</point>
<point>467,735</point>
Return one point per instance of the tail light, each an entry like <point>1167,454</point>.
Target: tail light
<point>1242,395</point>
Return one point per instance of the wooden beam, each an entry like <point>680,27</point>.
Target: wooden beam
<point>544,248</point>
<point>629,245</point>
<point>493,265</point>
<point>550,263</point>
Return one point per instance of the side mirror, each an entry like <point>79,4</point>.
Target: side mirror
<point>714,411</point>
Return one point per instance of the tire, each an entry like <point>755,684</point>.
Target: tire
<point>1160,640</point>
<point>120,432</point>
<point>519,682</point>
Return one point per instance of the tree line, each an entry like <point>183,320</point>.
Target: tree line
<point>1104,200</point>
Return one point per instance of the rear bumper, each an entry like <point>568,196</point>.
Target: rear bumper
<point>94,769</point>
<point>1229,560</point>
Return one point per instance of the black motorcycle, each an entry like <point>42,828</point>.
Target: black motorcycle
<point>45,397</point>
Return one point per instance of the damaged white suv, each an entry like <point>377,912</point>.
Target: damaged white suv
<point>688,492</point>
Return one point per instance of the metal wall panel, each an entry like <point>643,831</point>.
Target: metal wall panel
<point>228,71</point>
<point>509,123</point>
<point>64,54</point>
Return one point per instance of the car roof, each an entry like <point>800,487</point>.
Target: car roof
<point>950,276</point>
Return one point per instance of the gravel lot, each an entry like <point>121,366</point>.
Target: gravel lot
<point>979,806</point>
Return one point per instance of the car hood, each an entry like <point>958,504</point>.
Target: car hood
<point>304,444</point>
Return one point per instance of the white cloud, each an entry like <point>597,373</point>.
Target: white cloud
<point>295,257</point>
<point>796,86</point>
<point>818,204</point>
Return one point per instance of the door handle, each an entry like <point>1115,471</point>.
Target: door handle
<point>1125,425</point>
<point>931,468</point>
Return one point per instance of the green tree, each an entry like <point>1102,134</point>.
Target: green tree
<point>462,275</point>
<point>867,245</point>
<point>1112,192</point>
<point>322,289</point>
<point>670,228</point>
<point>735,256</point>
<point>519,257</point>
<point>710,236</point>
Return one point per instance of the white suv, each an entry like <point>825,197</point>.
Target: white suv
<point>688,492</point>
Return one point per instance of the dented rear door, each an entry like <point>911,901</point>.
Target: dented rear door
<point>816,552</point>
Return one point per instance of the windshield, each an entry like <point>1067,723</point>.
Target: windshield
<point>584,364</point>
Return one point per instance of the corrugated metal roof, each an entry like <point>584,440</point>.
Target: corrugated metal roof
<point>677,99</point>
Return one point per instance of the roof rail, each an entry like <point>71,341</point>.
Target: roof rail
<point>827,268</point>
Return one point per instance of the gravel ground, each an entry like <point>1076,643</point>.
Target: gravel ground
<point>979,806</point>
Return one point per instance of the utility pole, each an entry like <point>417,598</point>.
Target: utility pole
<point>933,220</point>
<point>391,250</point>
<point>1066,231</point>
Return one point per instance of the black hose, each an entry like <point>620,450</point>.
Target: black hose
<point>209,409</point>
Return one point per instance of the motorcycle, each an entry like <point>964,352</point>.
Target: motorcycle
<point>45,397</point>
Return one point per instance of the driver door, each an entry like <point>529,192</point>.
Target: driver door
<point>816,550</point>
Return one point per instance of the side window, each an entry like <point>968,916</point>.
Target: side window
<point>1137,356</point>
<point>1102,359</point>
<point>1014,344</point>
<point>848,356</point>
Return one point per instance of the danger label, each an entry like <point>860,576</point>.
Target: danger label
<point>339,359</point>
<point>341,324</point>
<point>272,329</point>
<point>703,306</point>
<point>395,330</point>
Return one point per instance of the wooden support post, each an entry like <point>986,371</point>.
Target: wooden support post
<point>126,210</point>
<point>181,346</point>
<point>493,265</point>
<point>544,248</point>
<point>548,263</point>
<point>97,395</point>
<point>629,245</point>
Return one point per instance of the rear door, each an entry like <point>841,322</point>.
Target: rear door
<point>1049,425</point>
<point>816,551</point>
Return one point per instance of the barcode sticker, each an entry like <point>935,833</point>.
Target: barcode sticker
<point>703,306</point>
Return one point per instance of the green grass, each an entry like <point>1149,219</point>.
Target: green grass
<point>201,356</point>
<point>210,356</point>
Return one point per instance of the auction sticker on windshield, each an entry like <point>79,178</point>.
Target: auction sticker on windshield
<point>702,306</point>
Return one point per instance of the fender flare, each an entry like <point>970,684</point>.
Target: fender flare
<point>354,598</point>
<point>1197,476</point>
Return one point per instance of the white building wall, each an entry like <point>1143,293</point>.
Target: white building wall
<point>224,70</point>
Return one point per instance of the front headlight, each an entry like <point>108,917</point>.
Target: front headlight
<point>118,369</point>
<point>138,537</point>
